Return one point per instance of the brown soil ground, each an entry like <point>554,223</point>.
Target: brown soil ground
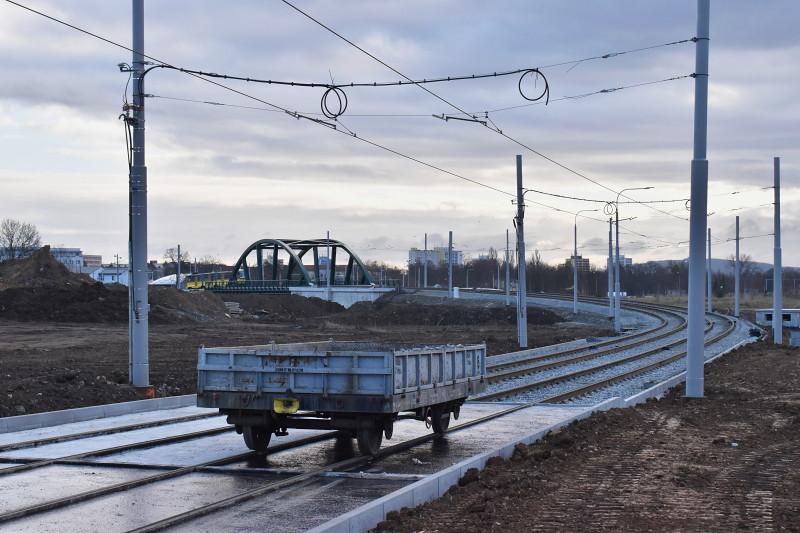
<point>724,463</point>
<point>64,342</point>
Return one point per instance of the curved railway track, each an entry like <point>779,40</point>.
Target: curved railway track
<point>671,322</point>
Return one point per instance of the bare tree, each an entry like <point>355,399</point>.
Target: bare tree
<point>171,255</point>
<point>209,260</point>
<point>16,237</point>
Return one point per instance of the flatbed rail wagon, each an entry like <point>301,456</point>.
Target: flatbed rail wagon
<point>359,388</point>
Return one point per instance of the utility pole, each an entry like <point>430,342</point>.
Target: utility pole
<point>777,268</point>
<point>737,274</point>
<point>425,268</point>
<point>610,268</point>
<point>328,274</point>
<point>138,306</point>
<point>709,287</point>
<point>450,265</point>
<point>178,269</point>
<point>617,285</point>
<point>522,296</point>
<point>695,359</point>
<point>508,273</point>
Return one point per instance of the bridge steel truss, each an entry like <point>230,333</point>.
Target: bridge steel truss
<point>268,276</point>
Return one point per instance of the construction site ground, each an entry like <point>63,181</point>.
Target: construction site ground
<point>727,462</point>
<point>65,339</point>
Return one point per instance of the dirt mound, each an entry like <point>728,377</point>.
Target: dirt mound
<point>39,270</point>
<point>168,305</point>
<point>283,307</point>
<point>95,302</point>
<point>388,312</point>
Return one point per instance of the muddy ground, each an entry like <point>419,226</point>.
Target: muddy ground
<point>728,462</point>
<point>47,365</point>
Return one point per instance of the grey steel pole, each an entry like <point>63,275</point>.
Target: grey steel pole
<point>737,274</point>
<point>450,265</point>
<point>575,268</point>
<point>777,268</point>
<point>610,268</point>
<point>695,358</point>
<point>139,308</point>
<point>328,274</point>
<point>522,299</point>
<point>425,268</point>
<point>709,288</point>
<point>617,294</point>
<point>178,269</point>
<point>508,273</point>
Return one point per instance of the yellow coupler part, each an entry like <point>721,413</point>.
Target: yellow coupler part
<point>285,406</point>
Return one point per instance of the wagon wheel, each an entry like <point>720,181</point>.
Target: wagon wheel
<point>440,419</point>
<point>369,440</point>
<point>257,438</point>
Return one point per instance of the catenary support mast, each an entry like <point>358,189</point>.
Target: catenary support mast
<point>522,299</point>
<point>777,267</point>
<point>139,308</point>
<point>695,358</point>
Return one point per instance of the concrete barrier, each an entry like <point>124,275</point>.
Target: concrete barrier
<point>81,414</point>
<point>434,486</point>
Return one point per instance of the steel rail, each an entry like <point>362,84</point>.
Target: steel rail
<point>566,377</point>
<point>126,485</point>
<point>114,449</point>
<point>355,462</point>
<point>105,431</point>
<point>521,369</point>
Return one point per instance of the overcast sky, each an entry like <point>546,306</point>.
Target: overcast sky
<point>223,177</point>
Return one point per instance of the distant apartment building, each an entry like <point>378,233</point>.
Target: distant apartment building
<point>436,256</point>
<point>625,261</point>
<point>582,263</point>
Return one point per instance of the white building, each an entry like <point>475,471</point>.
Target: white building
<point>111,274</point>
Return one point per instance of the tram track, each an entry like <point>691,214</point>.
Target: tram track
<point>570,392</point>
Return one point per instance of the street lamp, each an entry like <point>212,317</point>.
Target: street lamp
<point>617,320</point>
<point>575,261</point>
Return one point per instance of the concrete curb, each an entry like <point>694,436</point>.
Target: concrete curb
<point>434,486</point>
<point>81,414</point>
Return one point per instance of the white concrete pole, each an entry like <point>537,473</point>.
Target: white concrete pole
<point>695,358</point>
<point>522,296</point>
<point>777,270</point>
<point>425,267</point>
<point>508,273</point>
<point>450,265</point>
<point>610,268</point>
<point>737,274</point>
<point>139,308</point>
<point>709,287</point>
<point>178,269</point>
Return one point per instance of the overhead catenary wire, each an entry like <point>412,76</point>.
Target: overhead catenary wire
<point>456,107</point>
<point>278,108</point>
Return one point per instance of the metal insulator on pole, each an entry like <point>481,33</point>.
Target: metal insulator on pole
<point>777,270</point>
<point>737,274</point>
<point>522,299</point>
<point>698,210</point>
<point>139,308</point>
